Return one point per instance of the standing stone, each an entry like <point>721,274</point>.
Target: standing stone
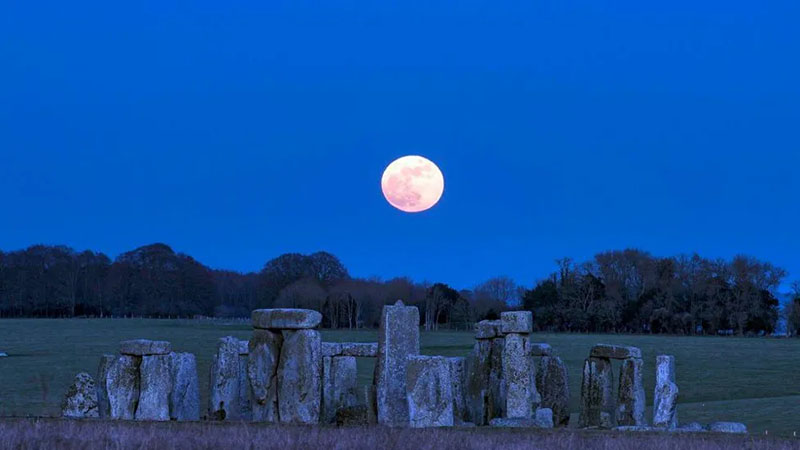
<point>246,412</point>
<point>630,397</point>
<point>478,370</point>
<point>552,383</point>
<point>597,402</point>
<point>155,388</point>
<point>458,367</point>
<point>398,338</point>
<point>544,418</point>
<point>81,399</point>
<point>184,400</point>
<point>370,401</point>
<point>300,377</point>
<point>122,385</point>
<point>496,401</point>
<point>665,401</point>
<point>339,384</point>
<point>224,401</point>
<point>519,376</point>
<point>102,392</point>
<point>262,373</point>
<point>429,390</point>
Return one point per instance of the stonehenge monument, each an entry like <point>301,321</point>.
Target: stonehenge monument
<point>398,339</point>
<point>666,393</point>
<point>599,408</point>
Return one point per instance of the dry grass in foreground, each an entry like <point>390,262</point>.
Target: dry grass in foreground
<point>67,434</point>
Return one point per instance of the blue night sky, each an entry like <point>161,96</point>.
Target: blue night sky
<point>236,131</point>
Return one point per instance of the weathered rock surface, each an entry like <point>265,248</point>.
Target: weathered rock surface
<point>633,428</point>
<point>360,349</point>
<point>665,403</point>
<point>224,401</point>
<point>487,329</point>
<point>539,349</point>
<point>692,427</point>
<point>122,385</point>
<point>503,422</point>
<point>370,402</point>
<point>245,392</point>
<point>262,373</point>
<point>727,427</point>
<point>144,347</point>
<point>81,399</point>
<point>300,377</point>
<point>552,382</point>
<point>339,385</point>
<point>285,319</point>
<point>630,397</point>
<point>615,352</point>
<point>496,401</point>
<point>102,392</point>
<point>477,381</point>
<point>398,338</point>
<point>519,377</point>
<point>352,416</point>
<point>155,388</point>
<point>597,401</point>
<point>184,399</point>
<point>516,322</point>
<point>458,376</point>
<point>331,349</point>
<point>430,395</point>
<point>544,418</point>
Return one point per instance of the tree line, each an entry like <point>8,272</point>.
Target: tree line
<point>617,291</point>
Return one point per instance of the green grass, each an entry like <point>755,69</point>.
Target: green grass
<point>753,381</point>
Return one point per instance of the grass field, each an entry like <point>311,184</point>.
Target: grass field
<point>754,381</point>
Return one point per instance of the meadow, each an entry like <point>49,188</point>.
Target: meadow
<point>749,380</point>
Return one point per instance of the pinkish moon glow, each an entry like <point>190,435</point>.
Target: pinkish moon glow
<point>412,184</point>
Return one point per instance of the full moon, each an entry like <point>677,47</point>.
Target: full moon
<point>412,184</point>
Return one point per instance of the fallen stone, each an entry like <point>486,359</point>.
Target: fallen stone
<point>633,428</point>
<point>516,322</point>
<point>154,388</point>
<point>339,385</point>
<point>360,349</point>
<point>430,395</point>
<point>331,349</point>
<point>630,397</point>
<point>122,385</point>
<point>544,418</point>
<point>693,427</point>
<point>615,352</point>
<point>352,416</point>
<point>398,338</point>
<point>102,392</point>
<point>552,382</point>
<point>262,374</point>
<point>81,399</point>
<point>540,349</point>
<point>458,373</point>
<point>286,319</point>
<point>519,377</point>
<point>665,400</point>
<point>224,401</point>
<point>144,347</point>
<point>487,329</point>
<point>184,399</point>
<point>597,402</point>
<point>300,377</point>
<point>503,422</point>
<point>728,427</point>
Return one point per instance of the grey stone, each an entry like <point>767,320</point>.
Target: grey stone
<point>458,373</point>
<point>519,377</point>
<point>430,394</point>
<point>286,319</point>
<point>615,352</point>
<point>331,349</point>
<point>516,322</point>
<point>224,400</point>
<point>630,395</point>
<point>262,373</point>
<point>544,418</point>
<point>665,403</point>
<point>540,349</point>
<point>122,385</point>
<point>597,401</point>
<point>81,399</point>
<point>300,377</point>
<point>496,400</point>
<point>102,392</point>
<point>552,382</point>
<point>245,392</point>
<point>154,388</point>
<point>727,427</point>
<point>144,347</point>
<point>692,427</point>
<point>352,416</point>
<point>243,348</point>
<point>360,349</point>
<point>339,385</point>
<point>184,399</point>
<point>370,401</point>
<point>487,329</point>
<point>633,428</point>
<point>398,338</point>
<point>477,381</point>
<point>503,422</point>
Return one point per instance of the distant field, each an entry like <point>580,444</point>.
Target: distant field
<point>754,381</point>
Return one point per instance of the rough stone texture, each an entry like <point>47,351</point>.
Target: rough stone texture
<point>122,385</point>
<point>262,374</point>
<point>633,428</point>
<point>516,322</point>
<point>496,400</point>
<point>615,352</point>
<point>539,349</point>
<point>692,427</point>
<point>728,427</point>
<point>477,381</point>
<point>502,422</point>
<point>184,399</point>
<point>352,416</point>
<point>544,418</point>
<point>245,392</point>
<point>360,349</point>
<point>102,392</point>
<point>144,347</point>
<point>398,338</point>
<point>331,349</point>
<point>224,401</point>
<point>630,397</point>
<point>552,382</point>
<point>519,377</point>
<point>300,377</point>
<point>597,401</point>
<point>154,388</point>
<point>665,403</point>
<point>458,378</point>
<point>487,329</point>
<point>285,319</point>
<point>339,385</point>
<point>430,394</point>
<point>370,401</point>
<point>81,399</point>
